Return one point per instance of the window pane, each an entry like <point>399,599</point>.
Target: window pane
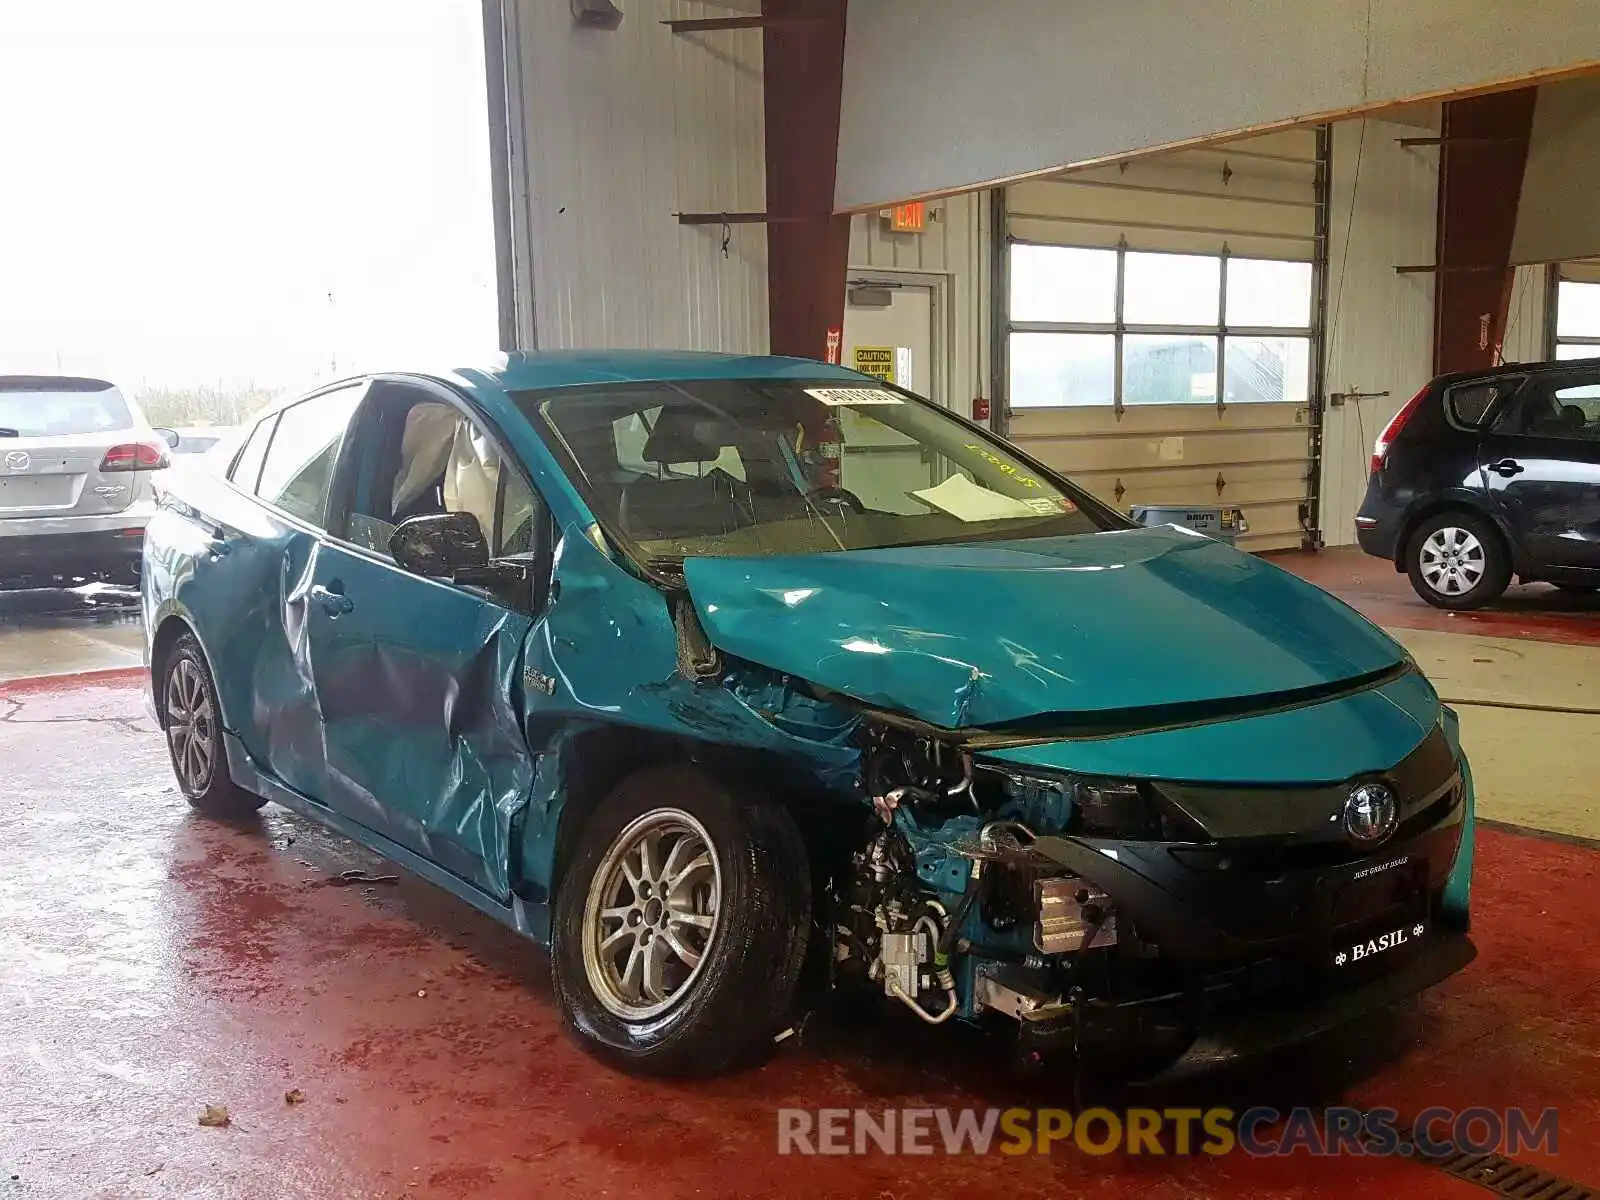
<point>1267,370</point>
<point>1568,350</point>
<point>1578,309</point>
<point>248,467</point>
<point>1062,283</point>
<point>1469,405</point>
<point>1273,294</point>
<point>1161,369</point>
<point>1172,289</point>
<point>1059,369</point>
<point>299,464</point>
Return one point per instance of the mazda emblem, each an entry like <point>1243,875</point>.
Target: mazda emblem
<point>1370,814</point>
<point>18,460</point>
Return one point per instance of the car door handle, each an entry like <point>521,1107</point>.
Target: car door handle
<point>1507,467</point>
<point>334,603</point>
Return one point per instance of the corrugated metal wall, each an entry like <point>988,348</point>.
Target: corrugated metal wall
<point>1525,339</point>
<point>956,245</point>
<point>1380,324</point>
<point>620,130</point>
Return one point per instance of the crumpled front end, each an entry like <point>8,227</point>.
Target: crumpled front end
<point>1193,893</point>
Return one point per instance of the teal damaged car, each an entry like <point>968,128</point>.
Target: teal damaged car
<point>712,671</point>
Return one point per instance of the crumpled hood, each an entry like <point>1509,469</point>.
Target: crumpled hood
<point>983,634</point>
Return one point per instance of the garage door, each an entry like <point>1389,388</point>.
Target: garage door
<point>1161,327</point>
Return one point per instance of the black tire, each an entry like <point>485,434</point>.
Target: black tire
<point>726,1012</point>
<point>1481,570</point>
<point>189,709</point>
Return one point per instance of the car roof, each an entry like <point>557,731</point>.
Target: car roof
<point>1517,368</point>
<point>531,371</point>
<point>535,371</point>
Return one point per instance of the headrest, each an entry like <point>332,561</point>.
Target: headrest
<point>1572,417</point>
<point>686,435</point>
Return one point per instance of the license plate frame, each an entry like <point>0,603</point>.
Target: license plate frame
<point>1387,944</point>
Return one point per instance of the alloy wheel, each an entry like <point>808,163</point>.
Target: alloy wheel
<point>191,726</point>
<point>1452,561</point>
<point>651,914</point>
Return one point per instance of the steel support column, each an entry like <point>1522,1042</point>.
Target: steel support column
<point>807,246</point>
<point>1483,147</point>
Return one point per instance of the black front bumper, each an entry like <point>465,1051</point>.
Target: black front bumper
<point>1236,1032</point>
<point>44,560</point>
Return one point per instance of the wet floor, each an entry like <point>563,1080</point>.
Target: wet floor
<point>64,631</point>
<point>153,962</point>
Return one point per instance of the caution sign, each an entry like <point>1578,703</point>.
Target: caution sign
<point>874,360</point>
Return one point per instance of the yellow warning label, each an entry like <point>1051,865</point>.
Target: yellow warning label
<point>874,360</point>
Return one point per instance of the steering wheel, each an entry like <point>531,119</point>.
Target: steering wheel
<point>839,497</point>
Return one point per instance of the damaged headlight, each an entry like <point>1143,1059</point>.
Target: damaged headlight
<point>1091,806</point>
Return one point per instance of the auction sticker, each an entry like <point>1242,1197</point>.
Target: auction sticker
<point>840,397</point>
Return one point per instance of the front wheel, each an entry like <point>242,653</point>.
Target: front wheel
<point>680,924</point>
<point>1458,561</point>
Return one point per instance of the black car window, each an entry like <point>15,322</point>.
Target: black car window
<point>415,456</point>
<point>300,458</point>
<point>247,467</point>
<point>1558,406</point>
<point>1470,404</point>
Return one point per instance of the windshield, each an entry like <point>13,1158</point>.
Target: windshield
<point>35,407</point>
<point>761,467</point>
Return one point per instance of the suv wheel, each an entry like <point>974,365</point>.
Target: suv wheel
<point>1458,560</point>
<point>194,734</point>
<point>680,924</point>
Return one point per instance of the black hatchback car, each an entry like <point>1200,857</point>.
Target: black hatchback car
<point>1490,474</point>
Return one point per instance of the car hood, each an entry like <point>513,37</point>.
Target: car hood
<point>1150,622</point>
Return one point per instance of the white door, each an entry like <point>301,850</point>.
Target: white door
<point>895,341</point>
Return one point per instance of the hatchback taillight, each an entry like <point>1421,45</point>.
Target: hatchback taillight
<point>1393,428</point>
<point>134,456</point>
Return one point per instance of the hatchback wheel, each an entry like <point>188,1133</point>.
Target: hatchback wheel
<point>194,734</point>
<point>1458,560</point>
<point>680,924</point>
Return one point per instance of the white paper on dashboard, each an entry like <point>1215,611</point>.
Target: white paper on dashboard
<point>966,501</point>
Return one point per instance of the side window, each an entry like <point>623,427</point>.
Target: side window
<point>247,467</point>
<point>299,463</point>
<point>427,457</point>
<point>1560,407</point>
<point>1471,403</point>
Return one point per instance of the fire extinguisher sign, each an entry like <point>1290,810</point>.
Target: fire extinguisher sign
<point>835,339</point>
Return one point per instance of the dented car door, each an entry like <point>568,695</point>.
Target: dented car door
<point>418,678</point>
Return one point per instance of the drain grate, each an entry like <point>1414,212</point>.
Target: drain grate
<point>1506,1177</point>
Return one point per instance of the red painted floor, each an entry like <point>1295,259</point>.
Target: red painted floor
<point>1373,586</point>
<point>153,962</point>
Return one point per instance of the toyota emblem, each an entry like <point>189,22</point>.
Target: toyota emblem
<point>18,460</point>
<point>1370,814</point>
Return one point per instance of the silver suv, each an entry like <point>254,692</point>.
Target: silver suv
<point>76,457</point>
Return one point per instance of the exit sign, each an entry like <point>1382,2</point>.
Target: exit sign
<point>908,218</point>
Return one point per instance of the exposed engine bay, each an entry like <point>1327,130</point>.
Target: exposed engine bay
<point>962,899</point>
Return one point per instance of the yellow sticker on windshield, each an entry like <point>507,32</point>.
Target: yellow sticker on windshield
<point>1000,464</point>
<point>841,397</point>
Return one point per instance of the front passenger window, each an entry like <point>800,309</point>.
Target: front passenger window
<point>433,459</point>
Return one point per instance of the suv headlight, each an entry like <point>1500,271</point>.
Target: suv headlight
<point>1097,807</point>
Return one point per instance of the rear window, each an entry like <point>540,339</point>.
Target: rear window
<point>46,406</point>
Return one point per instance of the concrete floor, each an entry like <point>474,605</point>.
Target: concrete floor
<point>153,962</point>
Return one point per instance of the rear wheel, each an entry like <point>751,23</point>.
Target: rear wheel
<point>194,734</point>
<point>681,924</point>
<point>1458,561</point>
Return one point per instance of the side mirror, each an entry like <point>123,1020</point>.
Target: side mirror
<point>440,545</point>
<point>170,436</point>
